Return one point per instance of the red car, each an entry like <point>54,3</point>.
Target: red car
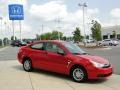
<point>65,58</point>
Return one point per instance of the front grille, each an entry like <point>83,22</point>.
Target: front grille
<point>106,65</point>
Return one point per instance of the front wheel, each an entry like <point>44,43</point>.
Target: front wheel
<point>27,65</point>
<point>78,74</point>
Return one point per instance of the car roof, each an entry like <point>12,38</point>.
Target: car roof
<point>54,41</point>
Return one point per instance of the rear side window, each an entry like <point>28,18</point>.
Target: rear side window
<point>38,46</point>
<point>51,47</point>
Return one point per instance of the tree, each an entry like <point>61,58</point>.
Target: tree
<point>55,35</point>
<point>6,41</point>
<point>114,34</point>
<point>64,38</point>
<point>77,35</point>
<point>51,35</point>
<point>96,31</point>
<point>12,38</point>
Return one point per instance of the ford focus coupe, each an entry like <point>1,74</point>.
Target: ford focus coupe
<point>65,58</point>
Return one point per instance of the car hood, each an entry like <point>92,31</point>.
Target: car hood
<point>94,58</point>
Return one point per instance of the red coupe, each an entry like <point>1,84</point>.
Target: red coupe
<point>65,58</point>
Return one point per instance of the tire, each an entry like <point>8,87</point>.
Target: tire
<point>27,65</point>
<point>78,74</point>
<point>110,44</point>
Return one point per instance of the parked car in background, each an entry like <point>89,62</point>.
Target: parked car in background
<point>90,41</point>
<point>18,43</point>
<point>65,58</point>
<point>109,42</point>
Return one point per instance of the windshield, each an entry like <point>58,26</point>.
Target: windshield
<point>73,48</point>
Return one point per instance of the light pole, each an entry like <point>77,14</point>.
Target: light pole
<point>58,21</point>
<point>83,7</point>
<point>41,31</point>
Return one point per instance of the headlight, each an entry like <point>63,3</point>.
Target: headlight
<point>97,65</point>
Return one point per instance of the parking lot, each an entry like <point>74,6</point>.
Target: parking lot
<point>13,77</point>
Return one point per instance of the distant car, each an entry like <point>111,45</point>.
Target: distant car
<point>65,58</point>
<point>109,42</point>
<point>18,43</point>
<point>90,41</point>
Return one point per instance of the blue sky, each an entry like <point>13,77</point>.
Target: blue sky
<point>47,12</point>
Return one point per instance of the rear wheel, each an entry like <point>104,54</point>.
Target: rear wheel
<point>27,65</point>
<point>78,74</point>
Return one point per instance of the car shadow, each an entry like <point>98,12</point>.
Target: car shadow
<point>57,75</point>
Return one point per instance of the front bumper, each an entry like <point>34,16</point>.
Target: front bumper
<point>99,73</point>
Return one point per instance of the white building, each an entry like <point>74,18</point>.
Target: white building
<point>107,32</point>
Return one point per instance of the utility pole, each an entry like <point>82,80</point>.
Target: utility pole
<point>83,5</point>
<point>20,30</point>
<point>58,21</point>
<point>41,31</point>
<point>13,30</point>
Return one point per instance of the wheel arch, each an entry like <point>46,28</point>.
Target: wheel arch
<point>26,57</point>
<point>78,65</point>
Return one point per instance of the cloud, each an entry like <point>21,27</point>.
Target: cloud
<point>50,11</point>
<point>115,12</point>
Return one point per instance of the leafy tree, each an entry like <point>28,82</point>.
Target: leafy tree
<point>64,38</point>
<point>12,38</point>
<point>55,35</point>
<point>96,31</point>
<point>77,35</point>
<point>0,42</point>
<point>51,35</point>
<point>114,34</point>
<point>6,41</point>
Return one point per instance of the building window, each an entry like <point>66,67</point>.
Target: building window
<point>105,37</point>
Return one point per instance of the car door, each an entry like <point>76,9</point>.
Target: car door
<point>38,55</point>
<point>56,62</point>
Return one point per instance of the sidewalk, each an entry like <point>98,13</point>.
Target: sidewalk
<point>13,77</point>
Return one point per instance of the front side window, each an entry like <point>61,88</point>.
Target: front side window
<point>53,48</point>
<point>38,46</point>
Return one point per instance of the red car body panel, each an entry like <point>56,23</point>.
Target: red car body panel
<point>54,62</point>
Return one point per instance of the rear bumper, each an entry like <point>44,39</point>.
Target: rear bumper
<point>99,73</point>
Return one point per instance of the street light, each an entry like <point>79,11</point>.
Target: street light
<point>58,21</point>
<point>83,7</point>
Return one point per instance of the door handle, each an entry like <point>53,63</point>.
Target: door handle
<point>68,63</point>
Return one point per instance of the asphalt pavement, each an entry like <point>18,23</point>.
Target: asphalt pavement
<point>8,53</point>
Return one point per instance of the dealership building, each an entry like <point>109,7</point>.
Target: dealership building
<point>107,32</point>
